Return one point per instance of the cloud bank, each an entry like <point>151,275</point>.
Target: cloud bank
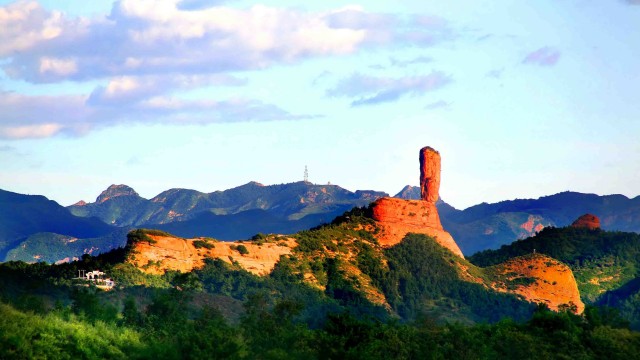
<point>148,51</point>
<point>371,90</point>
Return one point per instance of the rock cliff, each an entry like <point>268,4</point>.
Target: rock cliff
<point>397,217</point>
<point>588,221</point>
<point>540,279</point>
<point>184,255</point>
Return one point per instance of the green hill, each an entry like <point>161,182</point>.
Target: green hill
<point>25,215</point>
<point>222,311</point>
<point>606,264</point>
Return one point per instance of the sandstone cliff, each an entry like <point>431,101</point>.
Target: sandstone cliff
<point>397,217</point>
<point>173,253</point>
<point>540,279</point>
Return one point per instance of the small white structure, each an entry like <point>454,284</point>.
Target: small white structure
<point>96,277</point>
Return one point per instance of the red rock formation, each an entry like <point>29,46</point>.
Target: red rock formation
<point>429,174</point>
<point>397,217</point>
<point>80,203</point>
<point>173,253</point>
<point>588,221</point>
<point>539,279</point>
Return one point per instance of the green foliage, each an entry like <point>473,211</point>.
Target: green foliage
<point>28,336</point>
<point>370,263</point>
<point>142,235</point>
<point>203,244</point>
<point>87,304</point>
<point>357,216</point>
<point>284,319</point>
<point>242,249</point>
<point>600,260</point>
<point>421,278</point>
<point>336,236</point>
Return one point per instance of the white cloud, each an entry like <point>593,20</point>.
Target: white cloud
<point>158,37</point>
<point>129,89</point>
<point>56,66</point>
<point>45,116</point>
<point>23,25</point>
<point>148,51</point>
<point>370,90</point>
<point>29,131</point>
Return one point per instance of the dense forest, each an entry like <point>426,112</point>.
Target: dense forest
<point>199,315</point>
<point>223,311</point>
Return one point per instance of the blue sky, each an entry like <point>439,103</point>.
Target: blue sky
<point>522,100</point>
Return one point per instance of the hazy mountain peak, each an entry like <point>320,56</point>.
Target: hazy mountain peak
<point>409,193</point>
<point>115,191</point>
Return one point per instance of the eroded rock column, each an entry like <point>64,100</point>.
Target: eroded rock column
<point>429,174</point>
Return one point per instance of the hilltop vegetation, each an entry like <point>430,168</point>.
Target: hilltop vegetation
<point>600,260</point>
<point>606,264</point>
<point>337,294</point>
<point>192,316</point>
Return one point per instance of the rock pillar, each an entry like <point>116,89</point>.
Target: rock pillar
<point>429,174</point>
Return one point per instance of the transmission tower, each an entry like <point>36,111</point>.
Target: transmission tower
<point>306,174</point>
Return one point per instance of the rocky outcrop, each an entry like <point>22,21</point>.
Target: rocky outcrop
<point>588,221</point>
<point>539,279</point>
<point>429,174</point>
<point>397,217</point>
<point>115,191</point>
<point>174,253</point>
<point>80,203</point>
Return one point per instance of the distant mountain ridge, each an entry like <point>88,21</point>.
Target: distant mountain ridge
<point>488,226</point>
<point>120,205</point>
<point>25,215</point>
<point>241,212</point>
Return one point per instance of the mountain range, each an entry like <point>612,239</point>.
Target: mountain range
<point>241,212</point>
<point>387,275</point>
<point>489,226</point>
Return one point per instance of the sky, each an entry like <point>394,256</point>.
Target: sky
<point>521,99</point>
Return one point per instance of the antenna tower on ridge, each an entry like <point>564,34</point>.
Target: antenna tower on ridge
<point>306,174</point>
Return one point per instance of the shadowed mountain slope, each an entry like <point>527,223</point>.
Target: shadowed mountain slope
<point>24,215</point>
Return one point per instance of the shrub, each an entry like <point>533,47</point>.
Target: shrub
<point>242,249</point>
<point>203,244</point>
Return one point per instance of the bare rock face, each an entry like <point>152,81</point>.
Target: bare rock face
<point>539,279</point>
<point>588,221</point>
<point>429,174</point>
<point>173,253</point>
<point>398,217</point>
